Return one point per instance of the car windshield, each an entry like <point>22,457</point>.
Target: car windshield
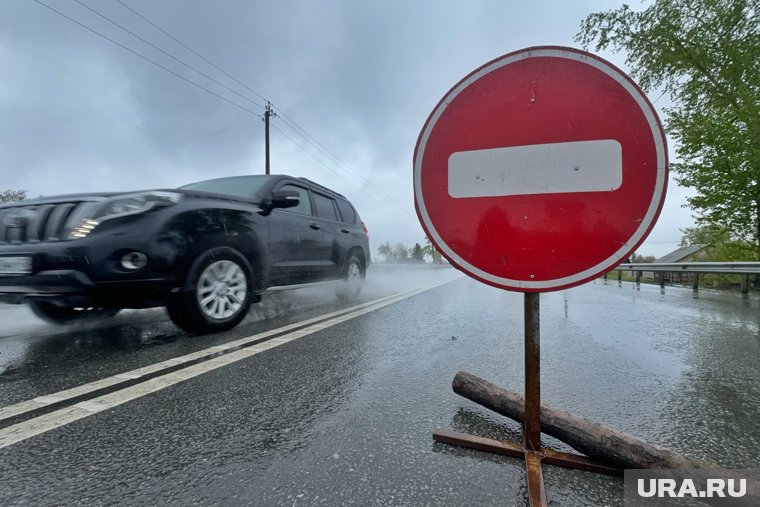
<point>241,186</point>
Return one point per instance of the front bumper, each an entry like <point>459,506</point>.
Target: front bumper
<point>88,271</point>
<point>67,287</point>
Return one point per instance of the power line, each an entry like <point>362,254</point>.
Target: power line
<point>378,197</point>
<point>191,50</point>
<point>658,98</point>
<point>334,158</point>
<point>133,34</point>
<point>307,136</point>
<point>147,59</point>
<point>290,122</point>
<point>304,149</point>
<point>287,120</point>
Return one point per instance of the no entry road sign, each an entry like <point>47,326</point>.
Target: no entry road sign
<point>540,170</point>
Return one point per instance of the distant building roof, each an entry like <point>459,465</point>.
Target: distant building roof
<point>681,253</point>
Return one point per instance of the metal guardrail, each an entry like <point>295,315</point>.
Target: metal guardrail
<point>696,268</point>
<point>736,268</point>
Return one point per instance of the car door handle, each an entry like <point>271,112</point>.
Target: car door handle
<point>345,231</point>
<point>314,226</point>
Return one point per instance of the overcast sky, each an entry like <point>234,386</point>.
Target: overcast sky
<point>78,113</point>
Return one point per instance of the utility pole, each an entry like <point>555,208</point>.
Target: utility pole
<point>268,113</point>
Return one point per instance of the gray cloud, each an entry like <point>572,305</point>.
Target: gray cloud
<point>79,114</point>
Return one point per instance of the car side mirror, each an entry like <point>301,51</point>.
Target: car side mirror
<point>284,199</point>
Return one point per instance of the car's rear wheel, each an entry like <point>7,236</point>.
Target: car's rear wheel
<point>55,314</point>
<point>217,292</point>
<point>353,280</point>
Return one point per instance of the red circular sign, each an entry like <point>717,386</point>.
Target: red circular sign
<point>540,170</point>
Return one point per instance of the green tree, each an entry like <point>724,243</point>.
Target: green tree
<point>638,258</point>
<point>386,250</point>
<point>8,196</point>
<point>416,253</point>
<point>400,252</point>
<point>430,250</point>
<point>720,244</point>
<point>704,54</point>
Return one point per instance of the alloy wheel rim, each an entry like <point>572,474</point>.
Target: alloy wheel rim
<point>354,277</point>
<point>222,289</point>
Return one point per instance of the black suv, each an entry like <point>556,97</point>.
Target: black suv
<point>206,251</point>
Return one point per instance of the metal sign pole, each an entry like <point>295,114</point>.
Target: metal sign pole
<point>530,450</point>
<point>532,422</point>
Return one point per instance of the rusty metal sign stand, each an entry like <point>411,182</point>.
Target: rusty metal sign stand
<point>530,450</point>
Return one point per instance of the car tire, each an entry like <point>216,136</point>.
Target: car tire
<point>353,280</point>
<point>55,314</point>
<point>217,292</point>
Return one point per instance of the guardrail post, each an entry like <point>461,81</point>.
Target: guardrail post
<point>695,282</point>
<point>638,279</point>
<point>662,279</point>
<point>745,284</point>
<point>620,277</point>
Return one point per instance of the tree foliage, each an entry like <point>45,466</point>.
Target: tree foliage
<point>400,252</point>
<point>721,245</point>
<point>8,196</point>
<point>397,253</point>
<point>430,250</point>
<point>639,258</point>
<point>704,54</point>
<point>386,250</point>
<point>416,253</point>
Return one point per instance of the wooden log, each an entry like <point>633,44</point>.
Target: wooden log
<point>591,438</point>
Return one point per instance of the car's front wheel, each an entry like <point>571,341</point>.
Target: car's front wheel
<point>217,292</point>
<point>55,314</point>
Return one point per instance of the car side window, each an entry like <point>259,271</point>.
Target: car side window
<point>324,207</point>
<point>304,202</point>
<point>347,211</point>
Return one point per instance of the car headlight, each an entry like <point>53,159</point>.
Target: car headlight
<point>124,205</point>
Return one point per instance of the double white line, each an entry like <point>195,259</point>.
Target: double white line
<point>165,373</point>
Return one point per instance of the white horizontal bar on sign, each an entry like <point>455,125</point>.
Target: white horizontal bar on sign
<point>554,168</point>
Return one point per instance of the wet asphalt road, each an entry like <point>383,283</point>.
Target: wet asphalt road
<point>344,416</point>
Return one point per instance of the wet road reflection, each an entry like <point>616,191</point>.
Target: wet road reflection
<point>37,358</point>
<point>345,416</point>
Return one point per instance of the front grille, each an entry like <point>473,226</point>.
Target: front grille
<point>33,224</point>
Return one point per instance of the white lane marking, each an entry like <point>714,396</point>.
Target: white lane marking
<point>127,376</point>
<point>553,168</point>
<point>92,406</point>
<point>47,400</point>
<point>84,389</point>
<point>27,406</point>
<point>38,425</point>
